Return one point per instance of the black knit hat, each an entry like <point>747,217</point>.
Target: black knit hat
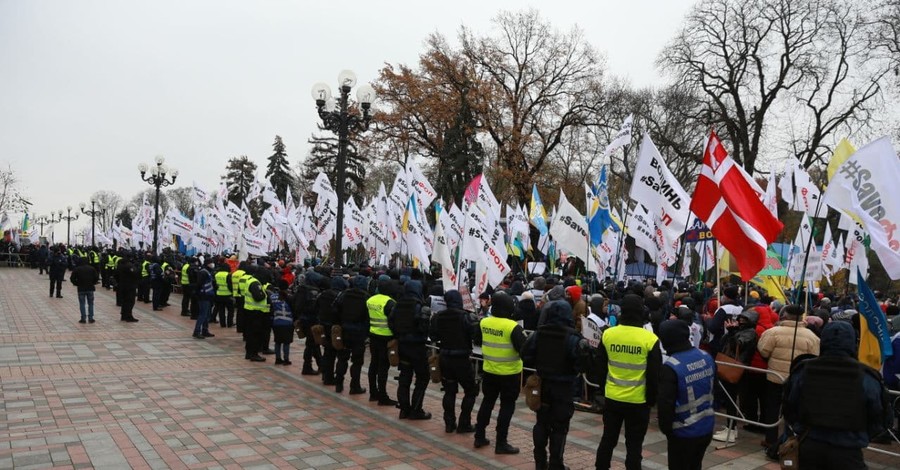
<point>503,305</point>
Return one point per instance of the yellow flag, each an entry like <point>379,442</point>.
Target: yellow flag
<point>841,153</point>
<point>869,352</point>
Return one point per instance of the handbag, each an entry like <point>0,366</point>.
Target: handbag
<point>727,373</point>
<point>533,392</point>
<point>393,353</point>
<point>337,340</point>
<point>434,367</point>
<point>789,452</point>
<point>318,332</point>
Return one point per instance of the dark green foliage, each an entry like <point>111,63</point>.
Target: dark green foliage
<point>278,170</point>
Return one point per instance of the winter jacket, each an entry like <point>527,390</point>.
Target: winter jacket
<point>740,342</point>
<point>85,277</point>
<point>767,319</point>
<point>775,346</point>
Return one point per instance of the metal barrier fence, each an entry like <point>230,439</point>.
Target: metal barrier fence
<point>896,404</point>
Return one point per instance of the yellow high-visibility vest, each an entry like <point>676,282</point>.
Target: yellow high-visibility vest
<point>378,324</point>
<point>500,357</point>
<point>627,348</point>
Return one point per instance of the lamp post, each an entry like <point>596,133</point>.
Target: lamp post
<point>157,179</point>
<point>93,213</point>
<point>68,218</point>
<point>341,121</point>
<point>48,220</point>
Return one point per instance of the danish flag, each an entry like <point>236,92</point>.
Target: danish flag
<point>732,209</point>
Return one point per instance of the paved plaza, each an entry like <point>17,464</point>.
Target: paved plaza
<point>147,395</point>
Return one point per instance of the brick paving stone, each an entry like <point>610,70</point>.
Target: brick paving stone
<point>146,395</point>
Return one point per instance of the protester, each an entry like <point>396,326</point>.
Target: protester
<point>85,278</point>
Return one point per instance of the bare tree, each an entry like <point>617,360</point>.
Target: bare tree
<point>754,58</point>
<point>541,83</point>
<point>110,204</point>
<point>12,198</point>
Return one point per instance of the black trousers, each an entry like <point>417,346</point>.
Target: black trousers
<point>143,292</point>
<point>378,369</point>
<point>311,351</point>
<point>413,363</point>
<point>773,409</point>
<point>265,335</point>
<point>187,291</point>
<point>753,395</point>
<point>223,304</point>
<point>456,372</point>
<point>159,288</point>
<point>552,425</point>
<point>506,387</point>
<point>686,453</point>
<point>636,418</point>
<point>352,355</point>
<point>815,455</point>
<point>55,284</point>
<point>127,299</point>
<point>329,356</point>
<point>253,325</point>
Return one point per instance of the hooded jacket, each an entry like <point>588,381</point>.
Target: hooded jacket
<point>741,341</point>
<point>558,317</point>
<point>839,341</point>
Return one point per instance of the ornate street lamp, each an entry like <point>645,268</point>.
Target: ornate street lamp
<point>93,213</point>
<point>68,218</point>
<point>157,179</point>
<point>48,220</point>
<point>341,122</point>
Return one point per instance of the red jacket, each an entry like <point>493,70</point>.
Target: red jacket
<point>767,319</point>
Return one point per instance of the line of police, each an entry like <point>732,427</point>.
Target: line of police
<point>338,315</point>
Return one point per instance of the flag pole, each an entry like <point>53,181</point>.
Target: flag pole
<point>619,246</point>
<point>679,265</point>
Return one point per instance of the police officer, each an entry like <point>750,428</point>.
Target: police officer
<point>558,352</point>
<point>409,322</point>
<point>224,292</point>
<point>685,405</point>
<point>380,306</point>
<point>256,307</point>
<point>454,329</point>
<point>501,339</point>
<point>187,280</point>
<point>143,293</point>
<point>838,403</point>
<point>303,306</point>
<point>325,311</point>
<point>631,358</point>
<point>353,316</point>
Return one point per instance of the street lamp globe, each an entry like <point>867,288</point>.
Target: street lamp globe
<point>160,159</point>
<point>346,79</point>
<point>143,168</point>
<point>69,208</point>
<point>365,94</point>
<point>82,205</point>
<point>321,92</point>
<point>174,172</point>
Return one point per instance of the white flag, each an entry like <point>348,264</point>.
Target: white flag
<point>866,186</point>
<point>569,229</point>
<point>656,188</point>
<point>622,138</point>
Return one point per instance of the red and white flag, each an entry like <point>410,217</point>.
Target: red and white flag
<point>730,206</point>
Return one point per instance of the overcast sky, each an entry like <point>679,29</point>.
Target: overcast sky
<point>91,88</point>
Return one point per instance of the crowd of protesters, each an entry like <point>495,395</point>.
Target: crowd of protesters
<point>638,344</point>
